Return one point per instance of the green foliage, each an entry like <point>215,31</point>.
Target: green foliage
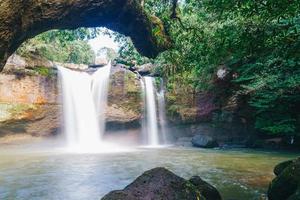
<point>128,55</point>
<point>68,46</point>
<point>108,53</point>
<point>258,41</point>
<point>16,110</point>
<point>44,71</point>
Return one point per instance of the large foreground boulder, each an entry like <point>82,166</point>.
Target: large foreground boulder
<point>204,141</point>
<point>286,186</point>
<point>161,184</point>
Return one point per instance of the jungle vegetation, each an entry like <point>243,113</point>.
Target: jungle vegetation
<point>258,42</point>
<point>65,46</point>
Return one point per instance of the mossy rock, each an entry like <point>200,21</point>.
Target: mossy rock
<point>281,166</point>
<point>162,184</point>
<point>286,186</point>
<point>125,91</point>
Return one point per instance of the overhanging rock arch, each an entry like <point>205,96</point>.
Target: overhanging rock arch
<point>23,19</point>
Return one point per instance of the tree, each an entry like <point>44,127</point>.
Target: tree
<point>258,41</point>
<point>108,53</point>
<point>68,46</point>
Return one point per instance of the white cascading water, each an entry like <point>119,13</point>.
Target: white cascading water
<point>100,90</point>
<point>84,103</point>
<point>151,115</point>
<point>162,112</point>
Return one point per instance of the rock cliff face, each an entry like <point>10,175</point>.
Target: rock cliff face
<point>218,114</point>
<point>29,119</point>
<point>29,98</point>
<point>187,107</point>
<point>124,99</point>
<point>32,89</point>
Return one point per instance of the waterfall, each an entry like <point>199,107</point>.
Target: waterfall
<point>100,90</point>
<point>84,101</point>
<point>162,112</point>
<point>154,122</point>
<point>151,113</point>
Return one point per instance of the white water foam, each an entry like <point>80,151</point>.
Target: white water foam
<point>84,103</point>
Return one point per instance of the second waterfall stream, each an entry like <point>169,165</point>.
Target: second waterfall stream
<point>155,121</point>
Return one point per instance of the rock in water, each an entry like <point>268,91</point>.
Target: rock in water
<point>281,166</point>
<point>161,184</point>
<point>286,186</point>
<point>207,190</point>
<point>204,141</point>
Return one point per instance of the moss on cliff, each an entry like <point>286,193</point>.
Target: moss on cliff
<point>125,91</point>
<point>44,71</point>
<point>28,119</point>
<point>16,111</point>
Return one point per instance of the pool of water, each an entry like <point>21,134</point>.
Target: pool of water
<point>47,175</point>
